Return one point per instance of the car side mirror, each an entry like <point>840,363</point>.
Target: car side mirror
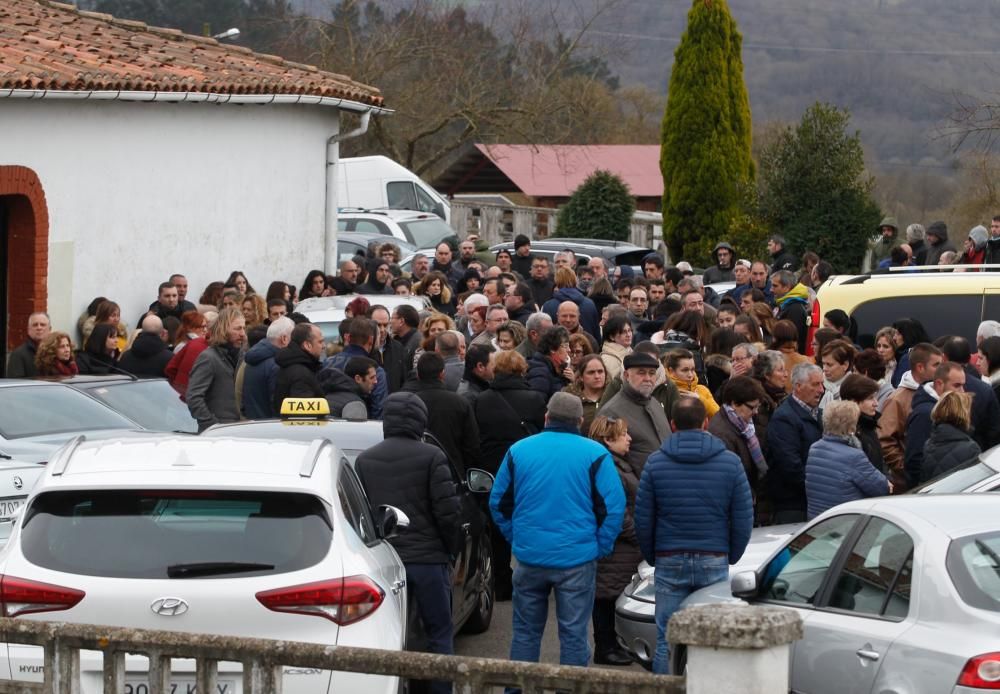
<point>390,521</point>
<point>479,481</point>
<point>744,584</point>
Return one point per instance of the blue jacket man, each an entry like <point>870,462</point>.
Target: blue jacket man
<point>590,317</point>
<point>559,502</point>
<point>693,515</point>
<point>261,372</point>
<point>948,377</point>
<point>361,332</point>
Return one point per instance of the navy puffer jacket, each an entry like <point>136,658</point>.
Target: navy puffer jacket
<point>837,472</point>
<point>590,319</point>
<point>693,495</point>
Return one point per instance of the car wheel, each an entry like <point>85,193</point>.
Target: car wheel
<point>482,615</point>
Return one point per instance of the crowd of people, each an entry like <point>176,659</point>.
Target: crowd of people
<point>732,407</point>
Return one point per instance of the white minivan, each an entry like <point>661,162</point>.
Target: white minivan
<point>379,182</point>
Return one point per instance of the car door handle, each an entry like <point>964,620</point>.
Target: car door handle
<point>868,654</point>
<point>467,527</point>
<point>398,586</point>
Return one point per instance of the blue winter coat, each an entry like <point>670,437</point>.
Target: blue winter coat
<point>542,376</point>
<point>790,433</point>
<point>836,473</point>
<point>259,377</point>
<point>590,318</point>
<point>558,499</point>
<point>693,495</point>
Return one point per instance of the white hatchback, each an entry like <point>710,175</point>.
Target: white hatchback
<point>240,537</point>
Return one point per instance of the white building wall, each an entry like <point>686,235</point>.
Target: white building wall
<point>137,191</point>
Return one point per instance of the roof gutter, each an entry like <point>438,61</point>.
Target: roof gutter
<point>330,220</point>
<point>195,97</point>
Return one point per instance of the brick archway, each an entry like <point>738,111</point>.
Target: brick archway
<point>27,248</point>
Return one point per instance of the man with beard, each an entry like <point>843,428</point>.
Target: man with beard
<point>723,269</point>
<point>647,422</point>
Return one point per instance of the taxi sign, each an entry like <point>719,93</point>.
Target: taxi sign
<point>305,407</point>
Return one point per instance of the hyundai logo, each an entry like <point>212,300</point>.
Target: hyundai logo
<point>169,607</point>
<point>18,482</point>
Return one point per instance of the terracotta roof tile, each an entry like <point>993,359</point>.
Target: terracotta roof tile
<point>49,45</point>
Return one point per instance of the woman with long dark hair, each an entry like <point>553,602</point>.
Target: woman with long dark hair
<point>911,332</point>
<point>100,352</point>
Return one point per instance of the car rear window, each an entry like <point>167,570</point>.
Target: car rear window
<point>153,404</point>
<point>175,534</point>
<point>974,566</point>
<point>39,410</point>
<point>958,479</point>
<point>427,233</point>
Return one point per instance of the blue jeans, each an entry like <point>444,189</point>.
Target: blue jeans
<point>429,588</point>
<point>677,576</point>
<point>574,588</point>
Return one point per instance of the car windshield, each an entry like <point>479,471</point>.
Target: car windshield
<point>427,233</point>
<point>974,566</point>
<point>153,404</point>
<point>175,534</point>
<point>958,479</point>
<point>53,409</point>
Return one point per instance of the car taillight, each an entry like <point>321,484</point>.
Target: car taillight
<point>341,600</point>
<point>21,596</point>
<point>981,672</point>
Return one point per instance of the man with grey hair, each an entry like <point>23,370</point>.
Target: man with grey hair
<point>792,300</point>
<point>261,372</point>
<point>496,315</point>
<point>149,355</point>
<point>915,235</point>
<point>448,344</point>
<point>988,328</point>
<point>22,359</point>
<point>794,427</point>
<point>536,324</point>
<point>421,266</point>
<point>598,266</point>
<point>471,302</point>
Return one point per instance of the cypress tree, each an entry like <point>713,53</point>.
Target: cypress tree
<point>706,135</point>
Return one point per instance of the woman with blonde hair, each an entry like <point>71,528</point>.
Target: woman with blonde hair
<point>432,326</point>
<point>615,570</point>
<point>54,356</point>
<point>211,390</point>
<point>254,310</point>
<point>949,445</point>
<point>510,333</point>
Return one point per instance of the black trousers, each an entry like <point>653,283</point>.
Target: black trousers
<point>603,618</point>
<point>430,594</point>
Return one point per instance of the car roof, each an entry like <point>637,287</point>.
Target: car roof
<point>363,237</point>
<point>392,213</point>
<point>185,461</point>
<point>347,435</point>
<point>590,245</point>
<point>339,302</point>
<point>955,515</point>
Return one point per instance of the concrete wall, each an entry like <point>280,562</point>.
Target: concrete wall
<point>137,191</point>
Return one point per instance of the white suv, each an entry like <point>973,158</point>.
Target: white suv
<point>271,539</point>
<point>421,229</point>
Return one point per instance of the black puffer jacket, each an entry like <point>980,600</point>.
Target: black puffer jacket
<point>413,476</point>
<point>947,448</point>
<point>542,376</point>
<point>451,421</point>
<point>506,413</point>
<point>148,356</point>
<point>615,570</point>
<point>340,390</point>
<point>296,375</point>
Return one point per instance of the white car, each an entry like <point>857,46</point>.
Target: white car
<point>420,229</point>
<point>328,312</point>
<point>270,539</point>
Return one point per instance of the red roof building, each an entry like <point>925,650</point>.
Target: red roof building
<point>546,175</point>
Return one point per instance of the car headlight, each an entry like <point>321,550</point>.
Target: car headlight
<point>642,588</point>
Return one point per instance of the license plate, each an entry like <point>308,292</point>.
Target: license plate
<point>10,505</point>
<point>141,686</point>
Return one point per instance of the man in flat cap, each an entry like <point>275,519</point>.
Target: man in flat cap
<point>648,424</point>
<point>557,537</point>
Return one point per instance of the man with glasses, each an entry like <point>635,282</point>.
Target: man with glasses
<point>540,282</point>
<point>949,378</point>
<point>496,315</point>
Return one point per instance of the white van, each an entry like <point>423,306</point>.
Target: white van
<point>379,182</point>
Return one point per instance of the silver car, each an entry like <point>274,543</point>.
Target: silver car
<point>896,594</point>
